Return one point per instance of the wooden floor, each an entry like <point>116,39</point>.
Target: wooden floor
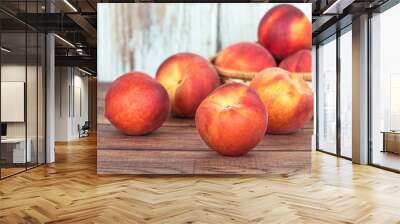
<point>70,191</point>
<point>5,172</point>
<point>386,159</point>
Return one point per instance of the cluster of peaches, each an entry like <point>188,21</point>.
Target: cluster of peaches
<point>231,118</point>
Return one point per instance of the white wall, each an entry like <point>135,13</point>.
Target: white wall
<point>71,93</point>
<point>13,73</point>
<point>33,127</point>
<point>80,100</point>
<point>61,103</point>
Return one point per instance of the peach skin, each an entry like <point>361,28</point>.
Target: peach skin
<point>298,62</point>
<point>246,57</point>
<point>188,79</point>
<point>136,104</point>
<point>284,30</point>
<point>288,98</point>
<point>232,120</point>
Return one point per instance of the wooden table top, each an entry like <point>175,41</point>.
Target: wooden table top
<point>176,148</point>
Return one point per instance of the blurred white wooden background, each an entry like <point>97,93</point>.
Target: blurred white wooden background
<point>140,36</point>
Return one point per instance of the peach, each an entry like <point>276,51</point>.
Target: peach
<point>245,56</point>
<point>287,97</point>
<point>188,79</point>
<point>136,104</point>
<point>299,62</point>
<point>232,120</point>
<point>284,30</point>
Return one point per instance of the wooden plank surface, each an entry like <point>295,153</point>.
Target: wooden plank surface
<point>206,162</point>
<point>140,36</point>
<point>176,148</point>
<point>181,135</point>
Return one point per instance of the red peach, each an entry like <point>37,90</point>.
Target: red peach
<point>245,56</point>
<point>136,104</point>
<point>188,79</point>
<point>287,97</point>
<point>285,30</point>
<point>232,120</point>
<point>299,62</point>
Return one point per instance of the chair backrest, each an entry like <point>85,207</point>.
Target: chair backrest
<point>86,125</point>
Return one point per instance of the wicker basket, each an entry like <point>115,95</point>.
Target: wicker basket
<point>229,75</point>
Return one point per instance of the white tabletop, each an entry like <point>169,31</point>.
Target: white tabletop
<point>13,140</point>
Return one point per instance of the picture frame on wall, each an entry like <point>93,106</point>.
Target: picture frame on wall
<point>181,94</point>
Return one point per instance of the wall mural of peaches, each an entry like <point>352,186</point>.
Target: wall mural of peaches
<point>204,88</point>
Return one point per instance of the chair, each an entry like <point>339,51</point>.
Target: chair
<point>84,130</point>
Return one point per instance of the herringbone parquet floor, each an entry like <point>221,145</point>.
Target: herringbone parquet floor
<point>69,191</point>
